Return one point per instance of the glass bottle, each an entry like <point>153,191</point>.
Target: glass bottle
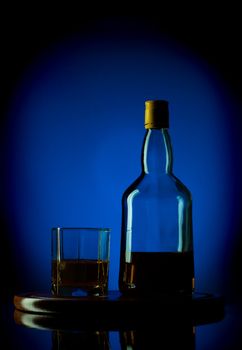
<point>156,238</point>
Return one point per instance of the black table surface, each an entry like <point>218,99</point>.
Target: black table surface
<point>117,311</point>
<point>204,321</point>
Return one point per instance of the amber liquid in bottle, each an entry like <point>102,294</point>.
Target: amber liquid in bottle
<point>159,272</point>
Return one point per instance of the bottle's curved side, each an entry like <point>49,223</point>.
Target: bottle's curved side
<point>145,254</point>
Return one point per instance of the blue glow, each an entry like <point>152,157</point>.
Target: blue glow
<point>75,138</point>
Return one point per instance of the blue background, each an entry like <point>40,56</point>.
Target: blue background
<point>72,144</point>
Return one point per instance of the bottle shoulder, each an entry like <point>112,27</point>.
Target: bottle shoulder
<point>164,184</point>
<point>134,186</point>
<point>181,186</point>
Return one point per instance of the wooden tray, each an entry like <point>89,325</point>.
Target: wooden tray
<point>115,310</point>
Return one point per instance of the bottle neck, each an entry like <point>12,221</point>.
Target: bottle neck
<point>157,152</point>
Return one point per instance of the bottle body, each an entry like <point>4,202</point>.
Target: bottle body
<point>157,252</point>
<point>156,239</point>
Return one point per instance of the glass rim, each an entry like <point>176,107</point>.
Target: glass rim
<point>103,229</point>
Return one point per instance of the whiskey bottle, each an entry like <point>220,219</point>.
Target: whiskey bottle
<point>156,239</point>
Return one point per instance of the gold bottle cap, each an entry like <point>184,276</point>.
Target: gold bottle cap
<point>156,114</point>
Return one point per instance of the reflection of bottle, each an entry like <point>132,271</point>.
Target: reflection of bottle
<point>157,242</point>
<point>172,336</point>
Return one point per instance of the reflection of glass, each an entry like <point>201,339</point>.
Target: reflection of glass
<point>167,337</point>
<point>63,340</point>
<point>80,261</point>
